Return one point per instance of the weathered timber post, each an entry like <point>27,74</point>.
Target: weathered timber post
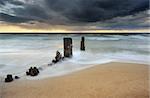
<point>82,47</point>
<point>67,47</point>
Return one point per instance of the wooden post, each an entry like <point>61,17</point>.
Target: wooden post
<point>82,47</point>
<point>67,47</point>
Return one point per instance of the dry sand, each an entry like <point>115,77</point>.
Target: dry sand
<point>113,80</point>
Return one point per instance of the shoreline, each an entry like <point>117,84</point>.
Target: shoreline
<point>67,72</point>
<point>111,80</point>
<point>84,68</point>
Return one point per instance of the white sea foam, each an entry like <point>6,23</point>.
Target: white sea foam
<point>19,53</point>
<point>103,38</point>
<point>79,63</point>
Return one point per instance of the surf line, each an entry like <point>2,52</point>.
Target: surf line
<point>34,71</point>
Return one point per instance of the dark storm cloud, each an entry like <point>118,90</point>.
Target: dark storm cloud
<point>23,13</point>
<point>13,19</point>
<point>17,2</point>
<point>32,12</point>
<point>3,2</point>
<point>80,11</point>
<point>96,10</point>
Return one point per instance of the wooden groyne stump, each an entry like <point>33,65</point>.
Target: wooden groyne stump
<point>67,47</point>
<point>9,78</point>
<point>17,77</point>
<point>82,45</point>
<point>33,71</point>
<point>58,57</point>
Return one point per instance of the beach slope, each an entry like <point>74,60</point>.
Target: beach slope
<point>112,80</point>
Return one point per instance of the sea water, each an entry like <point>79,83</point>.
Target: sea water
<point>19,52</point>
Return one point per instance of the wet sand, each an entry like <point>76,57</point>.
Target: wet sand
<point>112,80</point>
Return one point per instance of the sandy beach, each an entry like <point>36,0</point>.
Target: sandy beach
<point>112,80</point>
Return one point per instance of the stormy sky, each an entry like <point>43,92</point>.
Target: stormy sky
<point>77,14</point>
